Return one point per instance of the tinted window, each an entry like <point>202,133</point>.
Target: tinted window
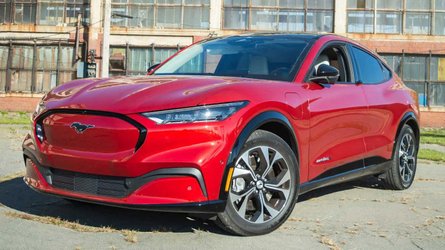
<point>264,57</point>
<point>370,69</point>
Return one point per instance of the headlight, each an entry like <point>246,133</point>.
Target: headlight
<point>216,112</point>
<point>39,109</point>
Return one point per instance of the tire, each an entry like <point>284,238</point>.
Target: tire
<point>402,170</point>
<point>263,191</point>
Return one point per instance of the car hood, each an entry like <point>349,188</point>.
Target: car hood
<point>140,94</point>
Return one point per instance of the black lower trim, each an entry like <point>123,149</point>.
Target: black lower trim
<point>345,176</point>
<point>135,183</point>
<point>110,186</point>
<point>208,207</point>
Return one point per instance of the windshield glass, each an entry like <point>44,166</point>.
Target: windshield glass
<point>263,57</point>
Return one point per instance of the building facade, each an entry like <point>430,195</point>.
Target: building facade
<point>44,43</point>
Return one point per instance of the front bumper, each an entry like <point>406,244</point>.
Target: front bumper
<point>173,189</point>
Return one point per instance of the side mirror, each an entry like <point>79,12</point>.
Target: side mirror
<point>326,74</point>
<point>152,68</point>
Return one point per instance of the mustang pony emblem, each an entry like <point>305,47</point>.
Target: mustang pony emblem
<point>79,127</point>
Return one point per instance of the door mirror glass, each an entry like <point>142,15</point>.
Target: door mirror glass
<point>326,74</point>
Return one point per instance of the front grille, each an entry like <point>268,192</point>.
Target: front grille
<point>87,183</point>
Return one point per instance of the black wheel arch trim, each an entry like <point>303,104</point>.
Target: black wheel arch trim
<point>408,117</point>
<point>255,123</point>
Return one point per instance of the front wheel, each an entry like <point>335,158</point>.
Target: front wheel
<point>263,188</point>
<point>400,174</point>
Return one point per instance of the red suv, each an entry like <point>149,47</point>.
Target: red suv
<point>233,126</point>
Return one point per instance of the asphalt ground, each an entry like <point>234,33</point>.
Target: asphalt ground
<point>356,215</point>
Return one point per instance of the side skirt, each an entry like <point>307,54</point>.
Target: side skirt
<point>344,177</point>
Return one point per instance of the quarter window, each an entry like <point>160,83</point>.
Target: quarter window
<point>370,70</point>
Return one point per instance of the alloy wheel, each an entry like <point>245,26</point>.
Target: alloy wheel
<point>407,159</point>
<point>261,184</point>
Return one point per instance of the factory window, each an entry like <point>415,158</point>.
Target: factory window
<point>279,15</point>
<point>3,67</point>
<point>35,68</point>
<point>5,13</point>
<point>162,14</point>
<point>136,60</point>
<point>439,19</point>
<point>62,11</point>
<point>413,69</point>
<point>437,81</point>
<point>21,68</point>
<point>44,12</point>
<point>418,17</point>
<point>46,65</point>
<point>24,11</point>
<point>396,17</point>
<point>389,16</point>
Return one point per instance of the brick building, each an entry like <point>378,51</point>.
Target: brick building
<point>44,43</point>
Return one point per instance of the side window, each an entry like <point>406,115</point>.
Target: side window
<point>335,57</point>
<point>370,69</point>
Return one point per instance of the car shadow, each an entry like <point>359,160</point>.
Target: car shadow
<point>370,182</point>
<point>16,195</point>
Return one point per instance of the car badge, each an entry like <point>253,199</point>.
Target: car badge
<point>80,128</point>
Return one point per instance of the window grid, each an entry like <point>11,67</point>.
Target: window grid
<point>35,68</point>
<point>43,12</point>
<point>423,73</point>
<point>135,60</point>
<point>278,15</point>
<point>162,14</point>
<point>396,17</point>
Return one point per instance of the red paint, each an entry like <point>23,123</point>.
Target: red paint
<point>344,123</point>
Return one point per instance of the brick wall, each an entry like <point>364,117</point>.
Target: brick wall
<point>10,103</point>
<point>430,119</point>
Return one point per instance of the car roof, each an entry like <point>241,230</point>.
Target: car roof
<point>287,35</point>
<point>304,36</point>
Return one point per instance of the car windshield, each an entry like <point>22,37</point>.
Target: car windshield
<point>262,57</point>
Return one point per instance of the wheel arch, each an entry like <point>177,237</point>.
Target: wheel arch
<point>409,119</point>
<point>271,121</point>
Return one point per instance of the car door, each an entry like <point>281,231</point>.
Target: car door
<point>381,91</point>
<point>337,118</point>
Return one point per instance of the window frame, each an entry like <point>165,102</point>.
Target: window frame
<point>343,46</point>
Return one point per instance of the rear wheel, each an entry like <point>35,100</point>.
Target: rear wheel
<point>263,188</point>
<point>400,174</point>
